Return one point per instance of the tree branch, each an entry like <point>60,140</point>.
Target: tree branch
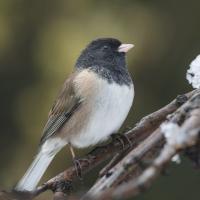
<point>188,116</point>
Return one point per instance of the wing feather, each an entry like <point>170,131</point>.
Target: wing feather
<point>63,108</point>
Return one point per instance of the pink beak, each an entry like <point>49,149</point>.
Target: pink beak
<point>125,47</point>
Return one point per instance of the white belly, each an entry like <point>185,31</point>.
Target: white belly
<point>110,108</point>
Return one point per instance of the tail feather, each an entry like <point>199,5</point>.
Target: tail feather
<point>35,172</point>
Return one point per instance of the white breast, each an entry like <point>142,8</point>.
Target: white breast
<point>110,108</point>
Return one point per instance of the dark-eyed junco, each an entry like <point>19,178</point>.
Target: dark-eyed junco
<point>92,104</point>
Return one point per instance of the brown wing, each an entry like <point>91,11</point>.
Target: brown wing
<point>63,108</point>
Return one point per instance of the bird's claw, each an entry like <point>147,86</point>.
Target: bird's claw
<point>78,167</point>
<point>122,138</point>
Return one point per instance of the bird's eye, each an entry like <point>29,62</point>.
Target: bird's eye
<point>105,47</point>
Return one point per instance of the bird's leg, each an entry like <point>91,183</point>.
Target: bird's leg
<point>76,161</point>
<point>72,151</point>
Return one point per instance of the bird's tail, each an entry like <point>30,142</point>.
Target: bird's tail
<point>35,172</point>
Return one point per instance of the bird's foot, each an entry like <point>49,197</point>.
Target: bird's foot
<point>78,166</point>
<point>122,139</point>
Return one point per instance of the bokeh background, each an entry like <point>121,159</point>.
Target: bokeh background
<point>39,43</point>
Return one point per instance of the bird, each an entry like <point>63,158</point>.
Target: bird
<point>92,104</point>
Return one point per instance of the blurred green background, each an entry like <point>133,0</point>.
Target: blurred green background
<point>39,43</point>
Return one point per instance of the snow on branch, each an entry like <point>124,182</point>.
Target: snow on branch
<point>193,73</point>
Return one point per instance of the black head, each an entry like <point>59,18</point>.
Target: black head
<point>106,56</point>
<point>103,52</point>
